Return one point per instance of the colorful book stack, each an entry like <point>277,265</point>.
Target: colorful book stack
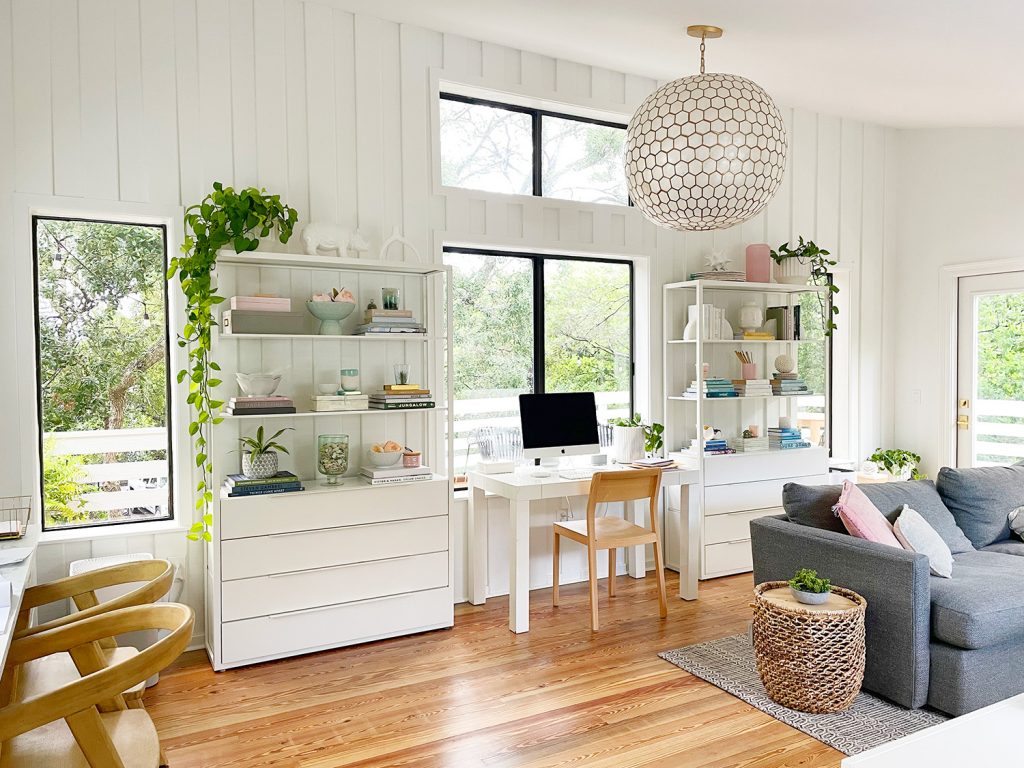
<point>787,384</point>
<point>786,439</point>
<point>259,406</point>
<point>753,387</point>
<point>786,321</point>
<point>396,397</point>
<point>395,475</point>
<point>711,447</point>
<point>749,444</point>
<point>713,387</point>
<point>389,321</point>
<point>350,401</point>
<point>260,303</point>
<point>282,482</point>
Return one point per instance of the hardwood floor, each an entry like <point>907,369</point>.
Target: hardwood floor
<point>479,695</point>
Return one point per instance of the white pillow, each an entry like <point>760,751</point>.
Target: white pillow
<point>917,535</point>
<point>1016,517</point>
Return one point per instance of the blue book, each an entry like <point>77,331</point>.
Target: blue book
<point>263,491</point>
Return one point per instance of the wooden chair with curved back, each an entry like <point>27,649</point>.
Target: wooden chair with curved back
<point>597,533</point>
<point>86,723</point>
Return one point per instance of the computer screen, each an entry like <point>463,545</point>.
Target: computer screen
<point>559,424</point>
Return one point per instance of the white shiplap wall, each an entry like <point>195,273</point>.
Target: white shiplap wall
<point>110,102</point>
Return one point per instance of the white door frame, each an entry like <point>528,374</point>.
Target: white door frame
<point>949,282</point>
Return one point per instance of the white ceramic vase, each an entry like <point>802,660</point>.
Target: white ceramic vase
<point>261,466</point>
<point>792,271</point>
<point>627,444</point>
<point>751,318</point>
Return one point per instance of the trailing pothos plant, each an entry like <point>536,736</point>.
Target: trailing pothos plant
<point>809,253</point>
<point>224,218</point>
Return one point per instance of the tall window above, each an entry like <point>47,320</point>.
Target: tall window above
<point>102,348</point>
<point>516,150</point>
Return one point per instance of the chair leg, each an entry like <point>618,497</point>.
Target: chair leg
<point>659,569</point>
<point>163,758</point>
<point>592,578</point>
<point>557,570</point>
<point>611,572</point>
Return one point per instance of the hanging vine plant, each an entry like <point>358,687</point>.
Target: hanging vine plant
<point>224,218</point>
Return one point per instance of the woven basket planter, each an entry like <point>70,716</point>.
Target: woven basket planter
<point>810,658</point>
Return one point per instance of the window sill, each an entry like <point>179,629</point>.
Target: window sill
<point>122,530</point>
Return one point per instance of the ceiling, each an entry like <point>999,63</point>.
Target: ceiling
<point>905,63</point>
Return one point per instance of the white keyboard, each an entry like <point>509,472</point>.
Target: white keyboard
<point>576,474</point>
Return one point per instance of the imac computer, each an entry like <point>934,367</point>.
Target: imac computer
<point>560,424</point>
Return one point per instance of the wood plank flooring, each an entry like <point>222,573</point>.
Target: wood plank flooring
<point>478,695</point>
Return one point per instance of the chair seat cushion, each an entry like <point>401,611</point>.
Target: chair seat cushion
<point>53,745</point>
<point>983,604</point>
<point>51,672</point>
<point>607,528</point>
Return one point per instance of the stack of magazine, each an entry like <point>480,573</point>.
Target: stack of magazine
<point>395,475</point>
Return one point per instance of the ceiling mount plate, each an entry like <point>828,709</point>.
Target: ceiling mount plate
<point>704,30</point>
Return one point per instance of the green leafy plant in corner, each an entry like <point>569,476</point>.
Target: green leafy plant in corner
<point>807,251</point>
<point>895,460</point>
<point>257,445</point>
<point>653,433</point>
<point>806,580</point>
<point>62,486</point>
<point>224,218</point>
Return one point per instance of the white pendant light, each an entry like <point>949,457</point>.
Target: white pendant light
<point>706,151</point>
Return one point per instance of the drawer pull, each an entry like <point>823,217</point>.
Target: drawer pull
<point>342,565</point>
<point>283,534</point>
<point>748,511</point>
<point>289,614</point>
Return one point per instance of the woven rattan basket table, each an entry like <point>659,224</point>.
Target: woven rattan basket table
<point>810,657</point>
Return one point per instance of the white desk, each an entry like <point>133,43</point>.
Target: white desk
<point>20,575</point>
<point>521,489</point>
<point>985,737</point>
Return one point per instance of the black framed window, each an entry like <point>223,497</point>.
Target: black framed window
<point>510,149</point>
<point>536,323</point>
<point>102,361</point>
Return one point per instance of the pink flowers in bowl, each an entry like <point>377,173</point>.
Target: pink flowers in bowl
<point>344,295</point>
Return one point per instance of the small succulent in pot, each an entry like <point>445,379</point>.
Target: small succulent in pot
<point>259,453</point>
<point>808,588</point>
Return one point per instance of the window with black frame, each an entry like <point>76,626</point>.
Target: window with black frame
<point>528,323</point>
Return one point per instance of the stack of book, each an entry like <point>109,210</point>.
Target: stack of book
<point>753,387</point>
<point>786,384</point>
<point>261,303</point>
<point>710,447</point>
<point>395,397</point>
<point>728,275</point>
<point>282,482</point>
<point>389,321</point>
<point>395,475</point>
<point>786,321</point>
<point>350,401</point>
<point>749,444</point>
<point>712,387</point>
<point>786,438</point>
<point>655,462</point>
<point>754,336</point>
<point>259,406</point>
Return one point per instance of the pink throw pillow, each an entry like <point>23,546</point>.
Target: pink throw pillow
<point>862,518</point>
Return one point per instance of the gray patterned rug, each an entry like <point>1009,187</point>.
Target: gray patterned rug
<point>729,664</point>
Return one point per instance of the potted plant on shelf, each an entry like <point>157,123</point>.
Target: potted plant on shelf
<point>632,439</point>
<point>259,454</point>
<point>805,263</point>
<point>807,588</point>
<point>900,464</point>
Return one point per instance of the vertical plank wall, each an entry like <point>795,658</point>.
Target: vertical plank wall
<point>110,102</point>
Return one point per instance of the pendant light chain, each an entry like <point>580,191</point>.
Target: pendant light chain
<point>702,38</point>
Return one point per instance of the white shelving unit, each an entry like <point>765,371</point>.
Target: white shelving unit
<point>332,565</point>
<point>734,488</point>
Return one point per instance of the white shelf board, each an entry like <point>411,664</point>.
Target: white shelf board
<point>305,261</point>
<point>747,341</point>
<point>752,397</point>
<point>406,337</point>
<point>684,455</point>
<point>728,285</point>
<point>316,485</point>
<point>303,414</point>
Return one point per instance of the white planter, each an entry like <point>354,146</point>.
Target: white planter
<point>792,271</point>
<point>259,467</point>
<point>627,444</point>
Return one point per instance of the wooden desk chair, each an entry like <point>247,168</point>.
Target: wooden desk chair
<point>86,723</point>
<point>598,533</point>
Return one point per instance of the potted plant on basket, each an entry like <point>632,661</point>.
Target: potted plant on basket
<point>807,588</point>
<point>900,464</point>
<point>259,455</point>
<point>808,263</point>
<point>632,439</point>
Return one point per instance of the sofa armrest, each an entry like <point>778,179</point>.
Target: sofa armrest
<point>893,581</point>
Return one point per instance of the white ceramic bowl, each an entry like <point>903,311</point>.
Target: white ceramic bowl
<point>257,384</point>
<point>327,389</point>
<point>384,458</point>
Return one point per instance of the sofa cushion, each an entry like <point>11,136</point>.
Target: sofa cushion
<point>1008,547</point>
<point>983,604</point>
<point>811,505</point>
<point>981,498</point>
<point>916,535</point>
<point>921,496</point>
<point>862,518</point>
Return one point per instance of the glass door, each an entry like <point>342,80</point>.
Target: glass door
<point>990,370</point>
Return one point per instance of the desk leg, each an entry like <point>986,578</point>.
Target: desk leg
<point>519,566</point>
<point>689,540</point>
<point>636,557</point>
<point>476,526</point>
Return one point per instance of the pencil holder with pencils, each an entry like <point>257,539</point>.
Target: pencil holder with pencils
<point>748,368</point>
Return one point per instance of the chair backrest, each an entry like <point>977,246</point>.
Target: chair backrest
<point>624,485</point>
<point>77,701</point>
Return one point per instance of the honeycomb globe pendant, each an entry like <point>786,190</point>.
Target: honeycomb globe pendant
<point>706,151</point>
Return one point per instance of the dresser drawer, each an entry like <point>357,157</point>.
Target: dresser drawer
<point>284,592</point>
<point>314,509</point>
<point>730,557</point>
<point>251,640</point>
<point>284,552</point>
<point>751,467</point>
<point>720,499</point>
<point>733,526</point>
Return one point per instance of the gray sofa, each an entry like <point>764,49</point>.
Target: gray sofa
<point>955,644</point>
